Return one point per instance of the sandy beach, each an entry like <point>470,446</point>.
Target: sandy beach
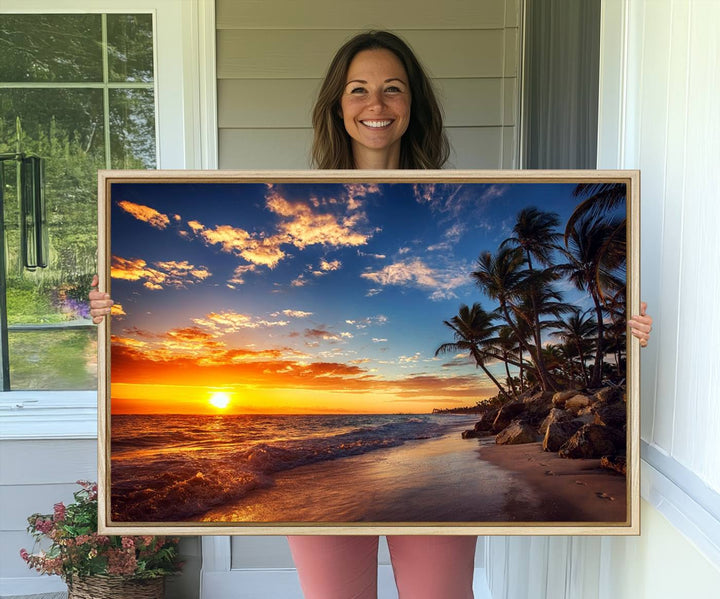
<point>447,479</point>
<point>573,490</point>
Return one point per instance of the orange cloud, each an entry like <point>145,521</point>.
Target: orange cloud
<point>195,226</point>
<point>117,310</point>
<point>234,240</point>
<point>304,227</point>
<point>162,274</point>
<point>238,277</point>
<point>134,269</point>
<point>145,214</point>
<point>330,265</point>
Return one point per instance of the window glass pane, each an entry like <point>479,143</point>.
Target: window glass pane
<point>38,48</point>
<point>65,128</point>
<point>132,128</point>
<point>54,359</point>
<point>130,47</point>
<point>52,341</point>
<point>53,122</point>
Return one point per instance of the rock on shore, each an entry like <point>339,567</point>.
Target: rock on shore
<point>577,423</point>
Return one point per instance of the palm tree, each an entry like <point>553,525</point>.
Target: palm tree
<point>535,233</point>
<point>506,343</point>
<point>473,329</point>
<point>501,278</point>
<point>599,198</point>
<point>590,266</point>
<point>576,331</point>
<point>555,358</point>
<point>616,333</point>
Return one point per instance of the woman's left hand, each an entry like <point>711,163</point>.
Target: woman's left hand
<point>641,325</point>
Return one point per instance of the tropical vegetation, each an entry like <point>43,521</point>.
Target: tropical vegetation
<point>543,341</point>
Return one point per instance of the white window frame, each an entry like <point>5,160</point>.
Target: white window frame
<point>186,130</point>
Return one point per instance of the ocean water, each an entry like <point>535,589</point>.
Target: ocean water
<point>167,468</point>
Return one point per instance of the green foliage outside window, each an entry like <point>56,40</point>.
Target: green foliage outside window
<point>76,90</point>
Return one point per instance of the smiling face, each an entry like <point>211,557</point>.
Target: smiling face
<point>375,108</point>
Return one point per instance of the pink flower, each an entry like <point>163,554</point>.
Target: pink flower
<point>44,526</point>
<point>128,543</point>
<point>24,555</point>
<point>121,562</point>
<point>59,512</point>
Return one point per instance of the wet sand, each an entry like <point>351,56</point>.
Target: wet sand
<point>444,480</point>
<point>574,490</point>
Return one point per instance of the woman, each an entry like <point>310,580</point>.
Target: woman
<point>377,110</point>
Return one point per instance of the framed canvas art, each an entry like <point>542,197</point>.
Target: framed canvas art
<point>375,352</point>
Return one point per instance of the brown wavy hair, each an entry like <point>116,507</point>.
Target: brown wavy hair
<point>423,146</point>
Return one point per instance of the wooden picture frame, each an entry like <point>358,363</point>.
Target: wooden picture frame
<point>356,352</point>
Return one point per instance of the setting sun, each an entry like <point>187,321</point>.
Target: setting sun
<point>220,400</point>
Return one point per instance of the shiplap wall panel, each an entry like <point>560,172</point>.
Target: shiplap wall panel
<point>34,475</point>
<point>265,148</point>
<point>471,147</point>
<point>697,413</point>
<point>653,150</point>
<point>266,103</point>
<point>510,101</point>
<point>19,501</point>
<point>678,129</point>
<point>47,462</point>
<point>511,139</point>
<point>255,54</point>
<point>400,14</point>
<point>280,103</point>
<point>475,147</point>
<point>11,565</point>
<point>671,65</point>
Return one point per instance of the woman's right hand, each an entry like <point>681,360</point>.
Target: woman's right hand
<point>100,303</point>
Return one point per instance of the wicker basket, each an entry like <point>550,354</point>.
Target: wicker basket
<point>116,587</point>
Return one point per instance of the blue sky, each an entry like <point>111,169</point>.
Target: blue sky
<point>358,275</point>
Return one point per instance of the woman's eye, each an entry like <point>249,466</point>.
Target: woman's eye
<point>357,90</point>
<point>393,89</point>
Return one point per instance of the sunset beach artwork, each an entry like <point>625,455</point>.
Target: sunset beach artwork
<point>305,352</point>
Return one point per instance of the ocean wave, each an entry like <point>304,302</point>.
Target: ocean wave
<point>157,486</point>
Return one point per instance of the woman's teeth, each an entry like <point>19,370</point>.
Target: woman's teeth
<point>376,124</point>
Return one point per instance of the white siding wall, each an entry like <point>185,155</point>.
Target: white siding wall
<point>271,57</point>
<point>34,475</point>
<point>660,84</point>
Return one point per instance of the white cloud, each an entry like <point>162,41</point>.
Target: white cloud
<point>413,272</point>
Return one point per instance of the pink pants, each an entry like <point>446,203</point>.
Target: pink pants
<point>425,567</point>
